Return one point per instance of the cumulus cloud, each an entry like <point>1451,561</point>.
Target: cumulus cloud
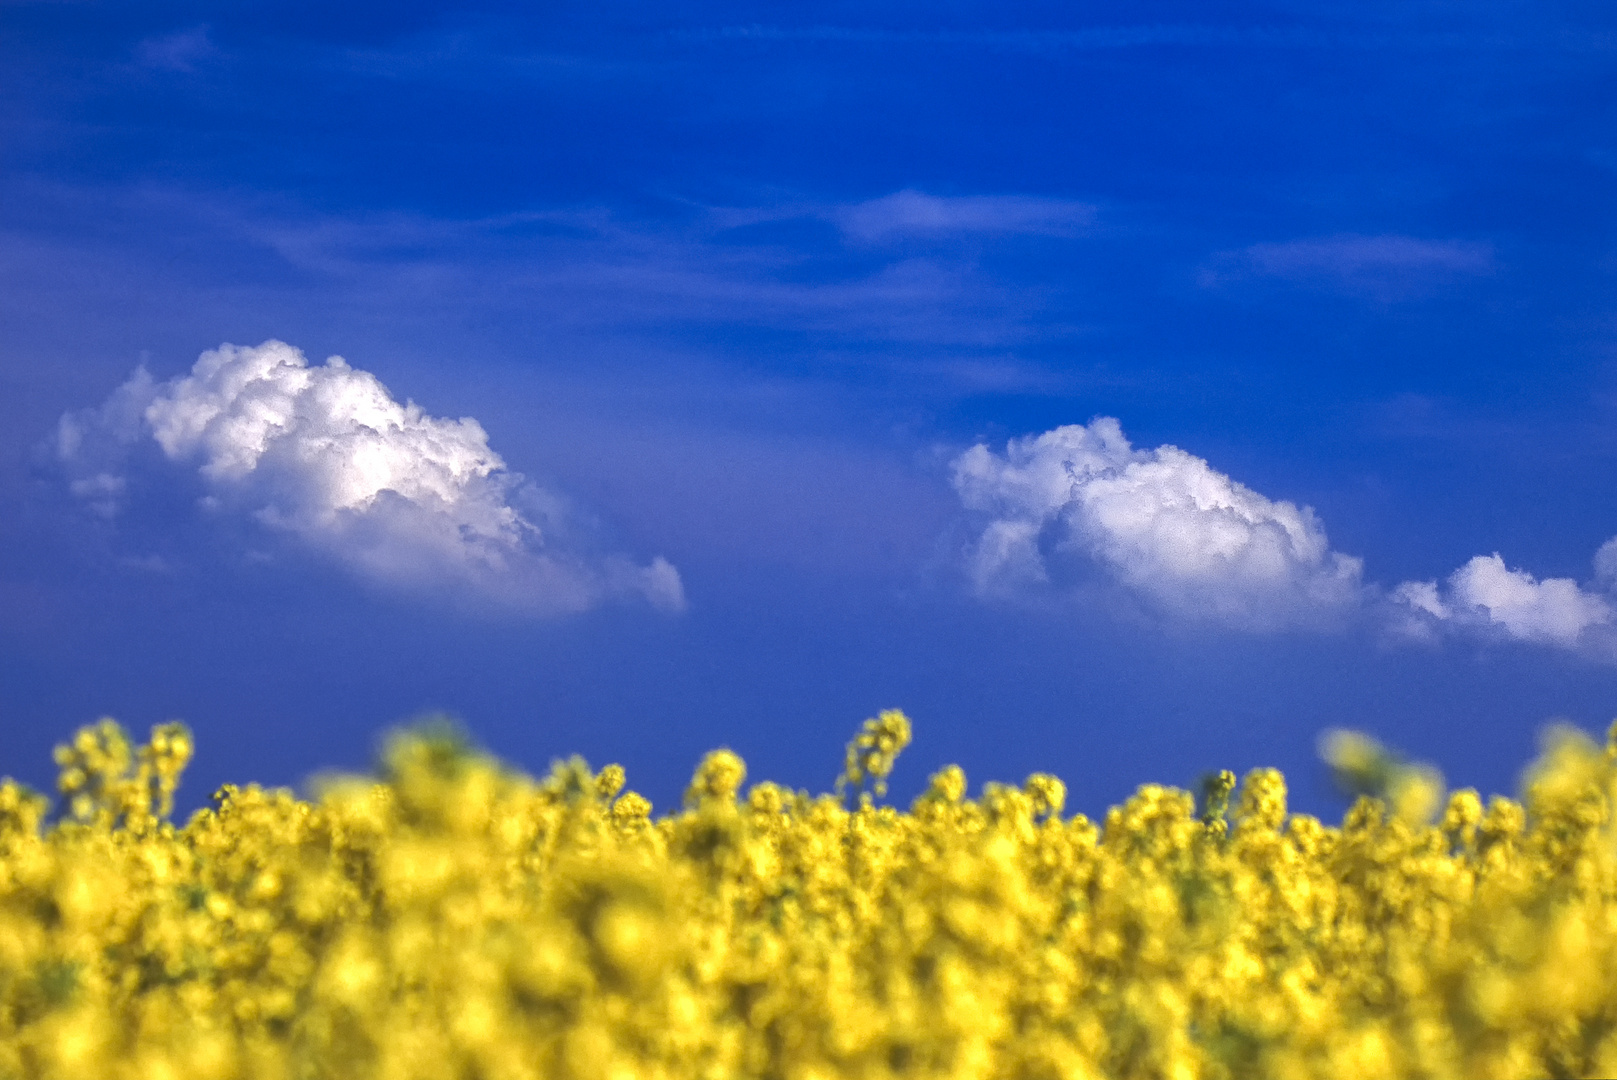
<point>1169,527</point>
<point>910,214</point>
<point>1485,596</point>
<point>327,456</point>
<point>1162,522</point>
<point>1388,267</point>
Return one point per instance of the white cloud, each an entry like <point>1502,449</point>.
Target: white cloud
<point>1486,596</point>
<point>906,214</point>
<point>326,455</point>
<point>1163,522</point>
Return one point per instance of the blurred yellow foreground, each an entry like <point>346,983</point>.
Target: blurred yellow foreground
<point>455,919</point>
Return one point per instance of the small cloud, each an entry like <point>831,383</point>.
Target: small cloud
<point>327,456</point>
<point>102,492</point>
<point>1162,522</point>
<point>1423,596</point>
<point>1381,267</point>
<point>659,583</point>
<point>1606,565</point>
<point>179,51</point>
<point>1486,597</point>
<point>910,214</point>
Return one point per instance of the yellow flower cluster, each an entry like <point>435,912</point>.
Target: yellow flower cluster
<point>452,918</point>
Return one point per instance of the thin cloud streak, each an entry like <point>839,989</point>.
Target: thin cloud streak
<point>590,268</point>
<point>1181,35</point>
<point>908,213</point>
<point>181,51</point>
<point>1386,267</point>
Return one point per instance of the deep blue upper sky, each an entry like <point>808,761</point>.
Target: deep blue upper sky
<point>740,289</point>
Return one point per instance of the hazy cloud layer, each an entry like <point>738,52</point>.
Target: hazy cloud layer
<point>326,455</point>
<point>1162,522</point>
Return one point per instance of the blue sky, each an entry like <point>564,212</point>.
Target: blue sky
<point>1126,392</point>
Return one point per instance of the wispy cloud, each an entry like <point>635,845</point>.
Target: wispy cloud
<point>1387,267</point>
<point>1174,35</point>
<point>590,266</point>
<point>182,50</point>
<point>1162,522</point>
<point>1024,40</point>
<point>327,456</point>
<point>906,214</point>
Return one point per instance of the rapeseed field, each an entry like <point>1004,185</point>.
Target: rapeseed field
<point>453,918</point>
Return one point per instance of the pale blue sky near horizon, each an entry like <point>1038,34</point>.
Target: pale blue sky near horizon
<point>730,294</point>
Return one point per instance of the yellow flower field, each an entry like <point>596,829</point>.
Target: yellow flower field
<point>454,918</point>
